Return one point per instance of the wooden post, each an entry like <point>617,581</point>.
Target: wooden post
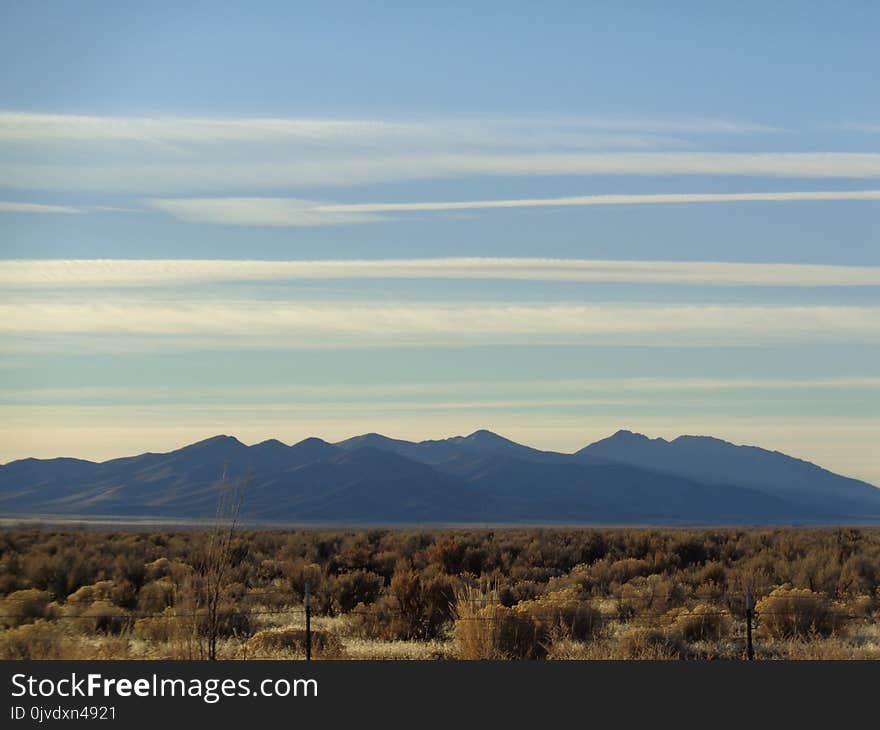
<point>308,601</point>
<point>750,650</point>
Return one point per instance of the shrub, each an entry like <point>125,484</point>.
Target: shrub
<point>158,629</point>
<point>562,614</point>
<point>156,596</point>
<point>649,643</point>
<point>300,572</point>
<point>381,620</point>
<point>233,622</point>
<point>159,568</point>
<point>293,640</point>
<point>85,595</point>
<point>790,612</point>
<point>494,631</point>
<point>38,640</point>
<point>648,595</point>
<point>700,623</point>
<point>357,586</point>
<point>24,606</point>
<point>102,617</point>
<point>498,632</point>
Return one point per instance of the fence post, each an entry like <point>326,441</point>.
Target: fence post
<point>750,650</point>
<point>308,602</point>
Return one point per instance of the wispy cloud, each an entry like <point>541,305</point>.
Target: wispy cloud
<point>223,169</point>
<point>292,325</point>
<point>52,273</point>
<point>498,391</point>
<point>298,212</point>
<point>41,208</point>
<point>165,156</point>
<point>38,127</point>
<point>260,212</point>
<point>38,208</point>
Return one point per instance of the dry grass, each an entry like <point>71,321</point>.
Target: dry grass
<point>404,650</point>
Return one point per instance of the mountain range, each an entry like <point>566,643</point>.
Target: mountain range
<point>482,478</point>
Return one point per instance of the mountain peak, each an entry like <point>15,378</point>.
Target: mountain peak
<point>624,437</point>
<point>271,443</point>
<point>685,438</point>
<point>484,436</point>
<point>310,441</point>
<point>624,433</point>
<point>371,440</point>
<point>220,440</point>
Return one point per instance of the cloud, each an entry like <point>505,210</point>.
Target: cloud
<point>222,169</point>
<point>249,323</point>
<point>259,211</point>
<point>163,156</point>
<point>299,212</point>
<point>532,392</point>
<point>171,272</point>
<point>56,128</point>
<point>38,208</point>
<point>38,127</point>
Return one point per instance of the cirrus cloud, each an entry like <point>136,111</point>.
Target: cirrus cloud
<point>63,273</point>
<point>299,212</point>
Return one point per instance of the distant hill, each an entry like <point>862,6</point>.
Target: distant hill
<point>481,478</point>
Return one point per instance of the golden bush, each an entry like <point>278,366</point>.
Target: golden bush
<point>643,642</point>
<point>793,612</point>
<point>25,606</point>
<point>700,623</point>
<point>293,640</point>
<point>39,640</point>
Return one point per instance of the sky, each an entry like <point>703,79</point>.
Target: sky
<point>555,220</point>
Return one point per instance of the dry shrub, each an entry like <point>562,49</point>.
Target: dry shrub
<point>156,596</point>
<point>158,629</point>
<point>648,595</point>
<point>417,606</point>
<point>382,620</point>
<point>621,571</point>
<point>700,623</point>
<point>293,640</point>
<point>856,606</point>
<point>562,614</point>
<point>102,617</point>
<point>485,629</point>
<point>790,612</point>
<point>38,640</point>
<point>356,586</point>
<point>498,632</point>
<point>24,607</point>
<point>648,643</point>
<point>100,591</point>
<point>159,568</point>
<point>232,622</point>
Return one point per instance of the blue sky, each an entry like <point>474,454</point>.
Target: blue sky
<point>551,221</point>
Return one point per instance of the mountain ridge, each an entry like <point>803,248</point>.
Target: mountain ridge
<point>482,477</point>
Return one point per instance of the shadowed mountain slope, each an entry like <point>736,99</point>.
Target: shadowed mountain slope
<point>480,478</point>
